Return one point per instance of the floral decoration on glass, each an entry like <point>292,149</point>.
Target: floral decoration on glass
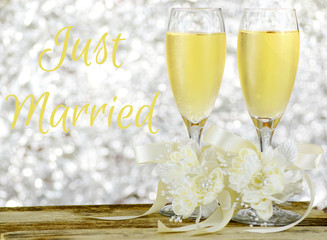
<point>193,178</point>
<point>264,178</point>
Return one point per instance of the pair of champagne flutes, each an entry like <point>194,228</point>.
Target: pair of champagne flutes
<point>267,57</point>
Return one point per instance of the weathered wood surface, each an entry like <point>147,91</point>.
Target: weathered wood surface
<point>73,222</point>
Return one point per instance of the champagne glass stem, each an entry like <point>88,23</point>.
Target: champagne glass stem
<point>265,130</point>
<point>265,135</point>
<point>195,129</point>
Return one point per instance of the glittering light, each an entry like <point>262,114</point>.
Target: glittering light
<point>38,183</point>
<point>13,203</point>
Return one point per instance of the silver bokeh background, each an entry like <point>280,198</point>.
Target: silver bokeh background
<point>96,165</point>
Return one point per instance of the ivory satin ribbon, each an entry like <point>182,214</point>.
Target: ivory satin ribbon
<point>309,157</point>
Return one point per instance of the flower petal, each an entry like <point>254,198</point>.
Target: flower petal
<point>266,213</point>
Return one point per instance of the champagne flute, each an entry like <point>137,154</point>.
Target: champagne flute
<point>267,56</point>
<point>195,52</point>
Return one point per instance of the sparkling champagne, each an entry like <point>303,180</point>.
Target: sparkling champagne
<point>267,63</point>
<point>195,63</point>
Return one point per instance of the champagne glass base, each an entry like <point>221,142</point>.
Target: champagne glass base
<point>168,212</point>
<point>280,217</point>
<point>206,211</point>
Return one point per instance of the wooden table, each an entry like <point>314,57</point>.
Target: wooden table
<point>72,222</point>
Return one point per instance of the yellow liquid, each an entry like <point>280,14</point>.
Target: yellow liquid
<point>195,65</point>
<point>267,64</point>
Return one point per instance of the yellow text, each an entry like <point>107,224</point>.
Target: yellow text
<point>124,113</point>
<point>101,47</point>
